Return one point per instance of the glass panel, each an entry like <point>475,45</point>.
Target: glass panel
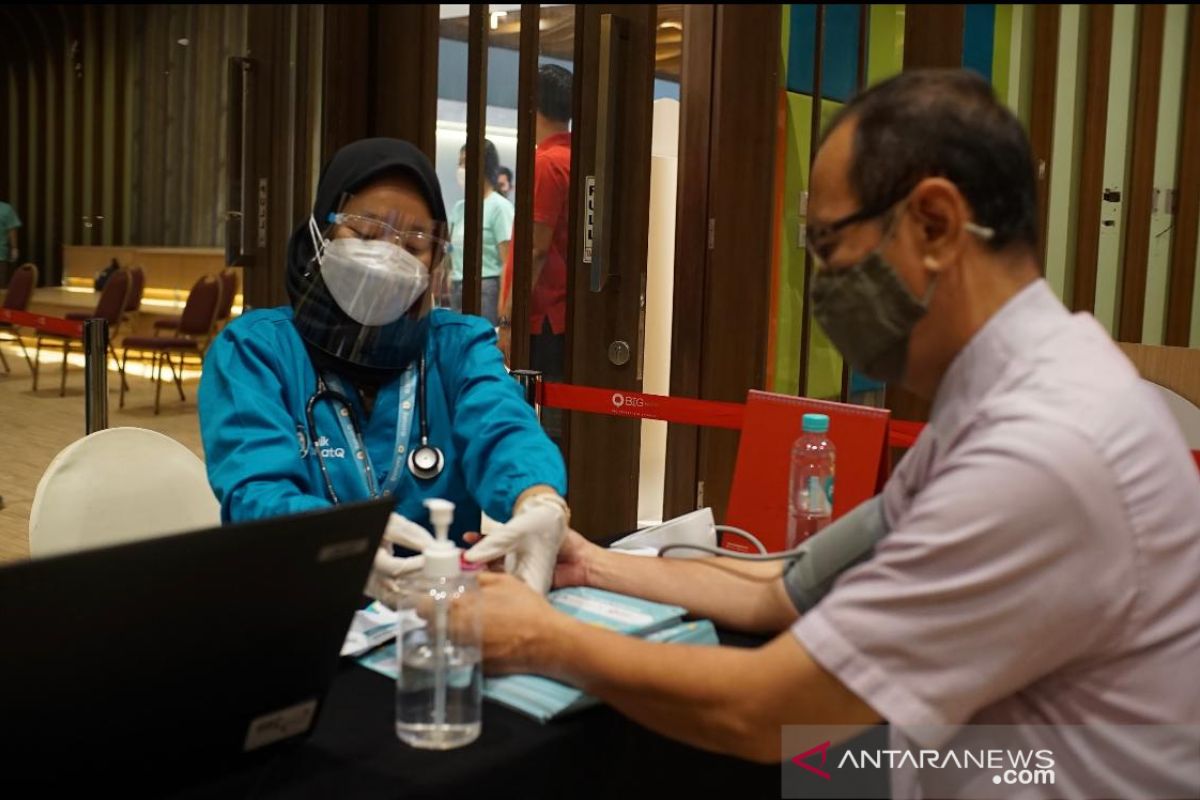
<point>551,225</point>
<point>451,137</point>
<point>552,186</point>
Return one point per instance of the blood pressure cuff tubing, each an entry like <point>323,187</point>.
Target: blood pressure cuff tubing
<point>826,555</point>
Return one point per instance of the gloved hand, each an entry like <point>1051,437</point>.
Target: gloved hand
<point>385,581</point>
<point>532,536</point>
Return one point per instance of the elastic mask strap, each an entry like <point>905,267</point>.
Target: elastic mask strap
<point>982,231</point>
<point>317,239</point>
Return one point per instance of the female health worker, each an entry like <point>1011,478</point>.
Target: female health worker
<point>359,388</point>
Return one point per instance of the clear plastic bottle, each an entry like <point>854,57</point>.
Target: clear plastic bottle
<point>810,491</point>
<point>439,686</point>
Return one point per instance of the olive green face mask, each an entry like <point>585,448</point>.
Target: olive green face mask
<point>868,313</point>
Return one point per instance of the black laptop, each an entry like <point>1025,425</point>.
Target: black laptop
<point>166,660</point>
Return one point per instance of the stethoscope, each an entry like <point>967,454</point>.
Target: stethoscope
<point>425,462</point>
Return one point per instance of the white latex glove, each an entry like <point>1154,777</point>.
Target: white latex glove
<point>532,537</point>
<point>388,571</point>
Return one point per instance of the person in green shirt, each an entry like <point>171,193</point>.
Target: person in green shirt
<point>9,222</point>
<point>498,216</point>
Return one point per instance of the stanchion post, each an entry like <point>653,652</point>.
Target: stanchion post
<point>95,374</point>
<point>531,384</point>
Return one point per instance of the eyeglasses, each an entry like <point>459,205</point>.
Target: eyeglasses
<point>820,239</point>
<point>416,240</point>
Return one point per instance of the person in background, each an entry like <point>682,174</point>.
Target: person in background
<point>504,182</point>
<point>359,388</point>
<point>497,233</point>
<point>1038,563</point>
<point>551,199</point>
<point>9,252</point>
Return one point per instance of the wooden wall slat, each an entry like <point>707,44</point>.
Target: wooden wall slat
<point>814,140</point>
<point>95,85</point>
<point>933,35</point>
<point>1046,20</point>
<point>117,210</point>
<point>1182,275</point>
<point>78,166</point>
<point>521,290</point>
<point>21,194</point>
<point>1140,196</point>
<point>1091,158</point>
<point>477,82</point>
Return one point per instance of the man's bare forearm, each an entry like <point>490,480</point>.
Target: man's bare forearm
<point>739,595</point>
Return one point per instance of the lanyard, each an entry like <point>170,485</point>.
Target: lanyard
<point>404,415</point>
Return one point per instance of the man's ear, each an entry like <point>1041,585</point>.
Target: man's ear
<point>941,214</point>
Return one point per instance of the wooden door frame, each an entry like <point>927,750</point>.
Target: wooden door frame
<point>1187,213</point>
<point>691,250</point>
<point>604,452</point>
<point>725,244</point>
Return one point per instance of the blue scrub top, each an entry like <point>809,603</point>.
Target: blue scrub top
<point>261,458</point>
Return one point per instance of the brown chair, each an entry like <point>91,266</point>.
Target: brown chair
<point>137,286</point>
<point>196,327</point>
<point>229,290</point>
<point>20,292</point>
<point>110,307</point>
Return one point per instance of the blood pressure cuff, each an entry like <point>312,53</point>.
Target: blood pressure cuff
<point>826,555</point>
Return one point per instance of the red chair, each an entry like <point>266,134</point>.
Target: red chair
<point>197,325</point>
<point>20,292</point>
<point>137,286</point>
<point>113,298</point>
<point>229,290</point>
<point>758,498</point>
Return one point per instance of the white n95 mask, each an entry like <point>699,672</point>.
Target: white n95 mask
<point>374,281</point>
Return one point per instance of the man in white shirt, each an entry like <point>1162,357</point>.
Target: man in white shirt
<point>1042,565</point>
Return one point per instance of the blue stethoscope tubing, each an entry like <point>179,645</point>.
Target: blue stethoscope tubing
<point>425,462</point>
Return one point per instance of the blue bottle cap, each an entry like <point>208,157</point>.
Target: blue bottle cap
<point>815,423</point>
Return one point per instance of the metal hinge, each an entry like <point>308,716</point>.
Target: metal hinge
<point>699,494</point>
<point>712,233</point>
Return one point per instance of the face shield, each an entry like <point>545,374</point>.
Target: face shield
<point>370,282</point>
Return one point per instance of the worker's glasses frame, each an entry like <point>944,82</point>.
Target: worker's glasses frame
<point>420,241</point>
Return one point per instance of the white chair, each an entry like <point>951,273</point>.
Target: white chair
<point>119,485</point>
<point>1186,413</point>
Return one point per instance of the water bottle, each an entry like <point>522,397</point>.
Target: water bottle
<point>810,491</point>
<point>439,686</point>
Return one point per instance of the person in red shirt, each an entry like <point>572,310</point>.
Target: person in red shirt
<point>551,199</point>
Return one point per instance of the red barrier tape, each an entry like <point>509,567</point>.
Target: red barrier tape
<point>684,410</point>
<point>618,403</point>
<point>44,324</point>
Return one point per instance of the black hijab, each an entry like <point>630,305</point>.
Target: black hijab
<point>335,341</point>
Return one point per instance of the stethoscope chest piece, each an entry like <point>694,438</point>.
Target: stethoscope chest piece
<point>426,462</point>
